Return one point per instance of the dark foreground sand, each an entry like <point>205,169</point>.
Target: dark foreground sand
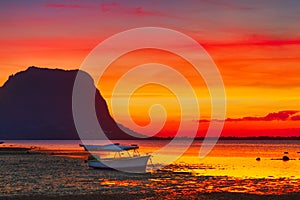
<point>149,196</point>
<point>45,177</point>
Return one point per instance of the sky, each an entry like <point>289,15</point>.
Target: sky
<point>255,45</point>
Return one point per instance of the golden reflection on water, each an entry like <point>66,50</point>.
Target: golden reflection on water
<point>238,159</point>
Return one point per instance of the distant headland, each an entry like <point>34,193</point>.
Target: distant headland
<point>36,104</point>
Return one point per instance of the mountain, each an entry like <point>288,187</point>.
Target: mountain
<point>36,104</point>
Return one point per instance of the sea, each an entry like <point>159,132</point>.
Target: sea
<point>59,168</point>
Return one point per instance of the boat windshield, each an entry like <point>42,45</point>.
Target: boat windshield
<point>110,147</point>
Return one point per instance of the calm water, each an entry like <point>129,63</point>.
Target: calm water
<point>231,166</point>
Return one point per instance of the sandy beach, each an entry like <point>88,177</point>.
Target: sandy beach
<point>150,196</point>
<point>49,175</point>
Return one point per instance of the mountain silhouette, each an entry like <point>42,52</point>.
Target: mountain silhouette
<point>36,104</point>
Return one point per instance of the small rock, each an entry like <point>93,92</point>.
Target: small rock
<point>285,158</point>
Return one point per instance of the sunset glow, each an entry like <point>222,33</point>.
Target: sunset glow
<point>255,45</point>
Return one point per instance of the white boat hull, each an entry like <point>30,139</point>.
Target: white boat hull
<point>136,164</point>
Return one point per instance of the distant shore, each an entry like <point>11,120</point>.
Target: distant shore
<point>230,138</point>
<point>184,138</point>
<point>129,196</point>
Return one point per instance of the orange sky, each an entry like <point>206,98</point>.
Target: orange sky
<point>255,46</point>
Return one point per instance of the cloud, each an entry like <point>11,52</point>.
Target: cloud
<point>122,9</point>
<point>65,6</point>
<point>203,120</point>
<point>280,116</point>
<point>108,6</point>
<point>227,5</point>
<point>295,118</point>
<point>143,12</point>
<point>256,42</point>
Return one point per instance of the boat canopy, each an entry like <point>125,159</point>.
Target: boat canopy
<point>109,147</point>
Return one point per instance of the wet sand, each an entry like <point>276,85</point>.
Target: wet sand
<point>40,175</point>
<point>149,196</point>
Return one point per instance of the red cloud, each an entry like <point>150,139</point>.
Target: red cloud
<point>122,9</point>
<point>227,5</point>
<point>141,11</point>
<point>281,115</point>
<point>108,6</point>
<point>295,118</point>
<point>253,42</point>
<point>72,6</point>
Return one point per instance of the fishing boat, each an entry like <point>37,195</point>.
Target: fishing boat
<point>116,156</point>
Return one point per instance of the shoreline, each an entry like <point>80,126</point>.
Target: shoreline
<point>170,138</point>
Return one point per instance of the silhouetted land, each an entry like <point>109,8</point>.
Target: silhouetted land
<point>233,138</point>
<point>36,104</point>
